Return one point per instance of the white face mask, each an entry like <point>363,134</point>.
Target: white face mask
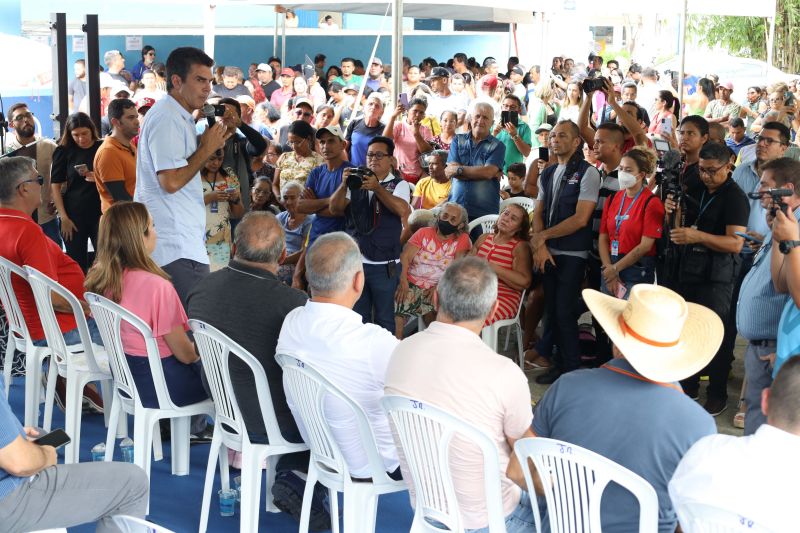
<point>626,179</point>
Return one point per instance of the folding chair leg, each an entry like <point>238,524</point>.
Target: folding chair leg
<point>360,507</point>
<point>180,445</point>
<point>49,397</point>
<point>106,388</point>
<point>73,418</point>
<point>308,494</point>
<point>115,419</point>
<point>214,452</point>
<point>333,498</point>
<point>520,348</point>
<point>251,492</point>
<point>8,361</point>
<point>32,377</point>
<point>272,462</point>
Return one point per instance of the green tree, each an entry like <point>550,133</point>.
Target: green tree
<point>747,36</point>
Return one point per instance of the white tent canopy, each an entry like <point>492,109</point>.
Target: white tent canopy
<point>664,8</point>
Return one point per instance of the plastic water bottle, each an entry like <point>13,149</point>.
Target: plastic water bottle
<point>99,452</point>
<point>126,447</point>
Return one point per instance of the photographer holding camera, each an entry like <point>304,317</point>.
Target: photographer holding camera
<point>375,201</point>
<point>714,209</point>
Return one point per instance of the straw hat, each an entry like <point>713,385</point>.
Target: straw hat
<point>662,336</point>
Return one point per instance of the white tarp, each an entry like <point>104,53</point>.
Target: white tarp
<point>744,8</point>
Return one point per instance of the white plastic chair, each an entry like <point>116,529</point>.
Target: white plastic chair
<point>79,363</point>
<point>574,479</point>
<point>131,524</point>
<point>109,317</point>
<point>308,389</point>
<point>20,339</point>
<point>424,433</point>
<point>702,518</point>
<point>486,223</point>
<point>230,432</point>
<point>528,203</point>
<point>491,333</point>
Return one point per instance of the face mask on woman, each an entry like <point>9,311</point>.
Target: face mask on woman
<point>626,179</point>
<point>446,228</point>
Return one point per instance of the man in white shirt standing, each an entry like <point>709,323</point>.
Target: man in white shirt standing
<point>168,168</point>
<point>762,488</point>
<point>327,334</point>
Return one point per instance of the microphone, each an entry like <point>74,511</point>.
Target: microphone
<point>208,111</point>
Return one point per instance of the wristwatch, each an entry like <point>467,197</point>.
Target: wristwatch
<point>786,246</point>
<point>459,171</point>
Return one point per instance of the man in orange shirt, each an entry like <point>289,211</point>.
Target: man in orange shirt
<point>115,161</point>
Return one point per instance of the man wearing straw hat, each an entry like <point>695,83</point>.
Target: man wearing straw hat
<point>632,410</point>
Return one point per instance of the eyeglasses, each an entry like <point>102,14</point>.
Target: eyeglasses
<point>39,180</point>
<point>377,156</point>
<point>22,116</point>
<point>300,113</point>
<point>710,171</point>
<point>767,140</point>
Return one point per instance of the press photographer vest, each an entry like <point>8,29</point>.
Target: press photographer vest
<point>566,202</point>
<point>374,226</point>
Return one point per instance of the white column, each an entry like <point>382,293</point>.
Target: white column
<point>397,47</point>
<point>209,29</point>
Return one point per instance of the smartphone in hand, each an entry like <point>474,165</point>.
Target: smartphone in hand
<point>56,438</point>
<point>509,117</point>
<point>404,100</point>
<point>544,153</point>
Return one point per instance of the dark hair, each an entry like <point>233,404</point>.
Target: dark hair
<point>358,63</point>
<point>320,57</point>
<point>334,68</point>
<point>576,131</point>
<point>784,170</point>
<point>418,101</point>
<point>347,60</point>
<point>181,60</point>
<point>461,57</point>
<point>523,233</point>
<point>117,107</point>
<point>81,61</point>
<point>14,107</point>
<point>235,103</point>
<point>784,132</point>
<point>670,100</point>
<point>639,110</point>
<point>383,140</point>
<point>276,59</point>
<point>707,86</point>
<point>608,63</point>
<point>160,69</point>
<point>736,122</point>
<point>515,98</point>
<point>715,152</point>
<point>278,147</point>
<point>698,122</point>
<point>616,128</point>
<point>635,68</point>
<point>756,88</point>
<point>77,120</point>
<point>147,48</point>
<point>302,129</point>
<point>518,169</point>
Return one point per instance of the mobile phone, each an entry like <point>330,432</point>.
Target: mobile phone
<point>661,145</point>
<point>544,153</point>
<point>230,190</point>
<point>509,117</point>
<point>56,438</point>
<point>404,100</point>
<point>80,168</point>
<point>219,110</point>
<point>747,237</point>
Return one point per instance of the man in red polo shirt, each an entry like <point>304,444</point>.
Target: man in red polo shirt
<point>24,243</point>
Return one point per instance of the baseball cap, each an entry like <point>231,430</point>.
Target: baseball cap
<point>728,85</point>
<point>303,100</point>
<point>117,88</point>
<point>490,81</point>
<point>544,127</point>
<point>106,80</point>
<point>264,67</point>
<point>377,61</point>
<point>145,103</point>
<point>352,87</point>
<point>246,100</point>
<point>489,61</point>
<point>518,70</point>
<point>334,130</point>
<point>439,72</point>
<point>286,71</point>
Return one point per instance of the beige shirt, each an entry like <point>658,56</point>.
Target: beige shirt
<point>44,160</point>
<point>450,367</point>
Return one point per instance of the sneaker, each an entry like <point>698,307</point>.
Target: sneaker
<point>287,494</point>
<point>93,399</point>
<point>715,406</point>
<point>738,420</point>
<point>549,377</point>
<point>203,437</point>
<point>694,394</point>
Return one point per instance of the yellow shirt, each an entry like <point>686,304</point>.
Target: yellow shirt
<point>432,192</point>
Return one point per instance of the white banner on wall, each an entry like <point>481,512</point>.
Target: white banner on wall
<point>133,43</point>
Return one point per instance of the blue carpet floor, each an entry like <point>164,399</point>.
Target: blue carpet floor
<point>175,500</point>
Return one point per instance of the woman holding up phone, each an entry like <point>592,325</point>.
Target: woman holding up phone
<point>73,188</point>
<point>221,196</point>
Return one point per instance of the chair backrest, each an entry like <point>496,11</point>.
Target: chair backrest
<point>308,389</point>
<point>42,287</point>
<point>130,524</point>
<point>425,432</point>
<point>702,518</point>
<point>574,479</point>
<point>215,350</point>
<point>524,201</point>
<point>486,223</point>
<point>109,317</point>
<point>16,322</point>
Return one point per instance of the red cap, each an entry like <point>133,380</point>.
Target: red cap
<point>286,71</point>
<point>490,81</point>
<point>145,103</point>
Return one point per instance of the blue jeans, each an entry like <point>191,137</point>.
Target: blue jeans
<point>53,230</point>
<point>519,521</point>
<point>184,382</point>
<point>73,337</point>
<point>376,304</point>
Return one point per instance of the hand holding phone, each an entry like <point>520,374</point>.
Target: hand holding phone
<point>56,438</point>
<point>747,237</point>
<point>81,169</point>
<point>544,153</point>
<point>509,117</point>
<point>404,100</point>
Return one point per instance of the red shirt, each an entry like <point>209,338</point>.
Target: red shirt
<point>24,243</point>
<point>640,222</point>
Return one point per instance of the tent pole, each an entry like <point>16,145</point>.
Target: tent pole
<point>283,39</point>
<point>397,48</point>
<point>771,39</point>
<point>208,29</point>
<point>275,38</point>
<point>683,55</point>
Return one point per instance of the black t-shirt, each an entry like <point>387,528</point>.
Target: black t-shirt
<point>711,213</point>
<point>270,88</point>
<point>81,200</point>
<point>249,304</point>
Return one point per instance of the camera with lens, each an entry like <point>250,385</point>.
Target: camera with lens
<point>590,85</point>
<point>670,165</point>
<point>777,198</point>
<point>356,177</point>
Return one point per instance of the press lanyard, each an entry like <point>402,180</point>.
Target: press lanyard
<point>704,206</point>
<point>641,378</point>
<point>620,218</point>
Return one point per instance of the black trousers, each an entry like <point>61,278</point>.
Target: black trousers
<point>562,294</point>
<point>717,297</point>
<point>77,247</point>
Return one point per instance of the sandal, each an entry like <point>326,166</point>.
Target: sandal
<point>534,361</point>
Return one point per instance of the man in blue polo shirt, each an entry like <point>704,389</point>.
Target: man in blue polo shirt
<point>632,410</point>
<point>36,493</point>
<point>474,165</point>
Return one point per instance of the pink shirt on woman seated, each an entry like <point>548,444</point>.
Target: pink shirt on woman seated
<point>154,300</point>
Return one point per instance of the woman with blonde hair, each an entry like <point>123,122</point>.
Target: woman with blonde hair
<point>542,109</point>
<point>125,272</point>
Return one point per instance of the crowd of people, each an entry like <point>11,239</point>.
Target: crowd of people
<point>312,212</point>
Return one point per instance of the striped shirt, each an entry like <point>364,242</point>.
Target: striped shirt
<point>10,429</point>
<point>609,184</point>
<point>502,255</point>
<point>759,308</point>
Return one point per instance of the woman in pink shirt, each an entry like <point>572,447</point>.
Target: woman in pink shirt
<point>124,272</point>
<point>410,138</point>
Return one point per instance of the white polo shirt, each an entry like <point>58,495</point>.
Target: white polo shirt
<point>354,357</point>
<point>166,141</point>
